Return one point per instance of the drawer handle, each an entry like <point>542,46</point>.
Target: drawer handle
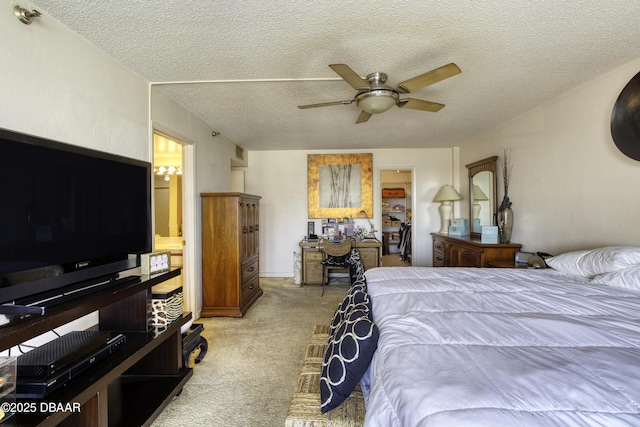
<point>251,286</point>
<point>251,269</point>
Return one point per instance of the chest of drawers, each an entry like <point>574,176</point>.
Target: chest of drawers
<point>230,253</point>
<point>463,251</point>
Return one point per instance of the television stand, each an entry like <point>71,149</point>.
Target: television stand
<point>130,388</point>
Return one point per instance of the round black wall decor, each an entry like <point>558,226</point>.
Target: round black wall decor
<point>625,119</point>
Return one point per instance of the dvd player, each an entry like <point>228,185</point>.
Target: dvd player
<point>39,386</point>
<point>50,358</point>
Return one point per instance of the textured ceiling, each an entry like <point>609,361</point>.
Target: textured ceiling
<point>514,55</point>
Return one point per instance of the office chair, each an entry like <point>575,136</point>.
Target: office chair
<point>334,256</point>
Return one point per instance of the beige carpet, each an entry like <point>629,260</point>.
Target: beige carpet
<point>249,373</point>
<point>394,260</point>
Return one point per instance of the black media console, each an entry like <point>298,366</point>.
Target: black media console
<point>132,385</point>
<point>193,345</point>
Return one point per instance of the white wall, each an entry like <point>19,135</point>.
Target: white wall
<point>571,188</point>
<point>57,85</point>
<point>280,177</point>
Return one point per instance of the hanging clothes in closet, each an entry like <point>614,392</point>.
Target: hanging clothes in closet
<point>405,243</point>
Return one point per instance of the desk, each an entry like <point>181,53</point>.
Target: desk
<point>312,258</point>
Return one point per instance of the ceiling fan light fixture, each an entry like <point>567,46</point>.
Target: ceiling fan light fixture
<point>374,96</point>
<point>377,100</point>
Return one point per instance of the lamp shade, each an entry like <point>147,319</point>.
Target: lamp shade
<point>447,193</point>
<point>478,194</point>
<point>376,101</point>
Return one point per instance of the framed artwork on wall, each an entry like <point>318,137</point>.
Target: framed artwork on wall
<point>340,185</point>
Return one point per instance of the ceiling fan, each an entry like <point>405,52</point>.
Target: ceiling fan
<point>374,96</point>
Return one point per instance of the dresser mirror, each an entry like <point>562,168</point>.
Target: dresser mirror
<point>483,200</point>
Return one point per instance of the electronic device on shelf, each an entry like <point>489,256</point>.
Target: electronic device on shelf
<point>37,304</point>
<point>71,215</point>
<point>21,309</point>
<point>52,365</point>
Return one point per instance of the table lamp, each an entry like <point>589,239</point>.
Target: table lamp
<point>478,196</point>
<point>446,195</point>
<point>372,231</point>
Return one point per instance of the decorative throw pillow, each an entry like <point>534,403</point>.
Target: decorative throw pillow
<point>348,356</point>
<point>589,263</point>
<point>356,268</point>
<point>355,299</point>
<point>357,296</point>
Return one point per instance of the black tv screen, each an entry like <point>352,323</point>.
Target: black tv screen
<point>68,214</point>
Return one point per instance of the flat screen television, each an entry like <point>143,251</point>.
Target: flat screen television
<point>68,216</point>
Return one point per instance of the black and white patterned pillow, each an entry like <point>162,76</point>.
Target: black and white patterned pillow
<point>337,260</point>
<point>356,268</point>
<point>348,356</point>
<point>356,298</point>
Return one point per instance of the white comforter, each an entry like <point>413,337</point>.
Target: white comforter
<point>501,347</point>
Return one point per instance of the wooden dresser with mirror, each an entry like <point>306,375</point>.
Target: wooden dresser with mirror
<point>469,250</point>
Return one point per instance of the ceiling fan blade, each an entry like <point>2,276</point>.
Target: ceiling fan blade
<point>419,104</point>
<point>350,76</point>
<point>325,104</point>
<point>428,78</point>
<point>363,117</point>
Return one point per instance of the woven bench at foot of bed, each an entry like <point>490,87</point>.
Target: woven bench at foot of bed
<point>304,410</point>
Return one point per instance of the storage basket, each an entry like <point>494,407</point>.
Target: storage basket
<point>166,304</point>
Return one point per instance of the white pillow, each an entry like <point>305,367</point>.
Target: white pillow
<point>589,263</point>
<point>567,262</point>
<point>628,278</point>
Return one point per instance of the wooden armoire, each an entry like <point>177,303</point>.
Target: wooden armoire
<point>230,253</point>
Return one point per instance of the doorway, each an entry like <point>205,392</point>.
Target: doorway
<point>396,226</point>
<point>168,200</point>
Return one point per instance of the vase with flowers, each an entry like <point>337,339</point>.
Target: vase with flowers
<point>505,213</point>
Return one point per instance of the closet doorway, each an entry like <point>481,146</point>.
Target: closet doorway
<point>396,220</point>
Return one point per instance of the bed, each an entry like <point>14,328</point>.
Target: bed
<point>502,347</point>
